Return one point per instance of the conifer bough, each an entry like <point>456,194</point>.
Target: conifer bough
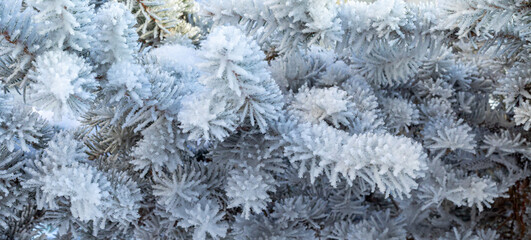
<point>265,119</point>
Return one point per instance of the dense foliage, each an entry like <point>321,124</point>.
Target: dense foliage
<point>265,119</point>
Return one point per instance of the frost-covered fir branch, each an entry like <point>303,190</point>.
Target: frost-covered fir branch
<point>160,20</point>
<point>276,119</point>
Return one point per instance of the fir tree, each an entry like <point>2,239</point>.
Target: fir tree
<point>274,119</point>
